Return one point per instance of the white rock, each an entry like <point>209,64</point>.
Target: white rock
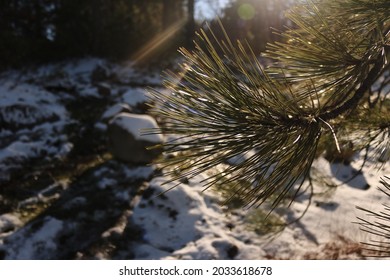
<point>136,124</point>
<point>126,140</point>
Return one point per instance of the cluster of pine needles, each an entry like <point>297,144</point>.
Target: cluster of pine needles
<point>268,121</point>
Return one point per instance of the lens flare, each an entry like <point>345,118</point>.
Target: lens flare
<point>158,41</point>
<point>246,11</point>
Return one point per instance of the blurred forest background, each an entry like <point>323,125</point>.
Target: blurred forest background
<point>40,31</point>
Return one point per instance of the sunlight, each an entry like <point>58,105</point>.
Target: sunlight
<point>158,41</point>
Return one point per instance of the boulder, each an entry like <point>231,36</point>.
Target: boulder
<point>128,143</point>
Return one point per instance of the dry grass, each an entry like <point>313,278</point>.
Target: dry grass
<point>341,248</point>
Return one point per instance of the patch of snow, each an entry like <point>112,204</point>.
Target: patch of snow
<point>27,94</point>
<point>141,172</point>
<point>135,96</point>
<point>34,119</point>
<point>84,66</point>
<point>187,223</point>
<point>170,223</point>
<point>148,252</point>
<point>128,172</point>
<point>89,92</point>
<point>106,182</point>
<point>41,243</point>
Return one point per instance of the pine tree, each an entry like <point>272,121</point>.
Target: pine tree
<point>327,80</point>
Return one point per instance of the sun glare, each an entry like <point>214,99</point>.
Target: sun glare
<point>157,42</point>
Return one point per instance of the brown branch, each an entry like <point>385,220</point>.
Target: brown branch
<point>354,100</point>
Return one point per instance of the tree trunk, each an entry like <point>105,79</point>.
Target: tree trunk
<point>170,13</point>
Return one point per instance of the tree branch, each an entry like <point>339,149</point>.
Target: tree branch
<point>354,100</point>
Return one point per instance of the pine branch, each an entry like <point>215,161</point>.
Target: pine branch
<point>223,104</point>
<point>349,105</point>
<point>379,228</point>
<point>226,106</point>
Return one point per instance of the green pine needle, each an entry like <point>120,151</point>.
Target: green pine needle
<point>224,104</point>
<point>379,228</point>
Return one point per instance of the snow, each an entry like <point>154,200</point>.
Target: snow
<point>187,223</point>
<point>31,119</point>
<point>115,110</point>
<point>106,182</point>
<point>137,124</point>
<point>43,240</point>
<point>84,66</point>
<point>140,172</point>
<point>135,96</point>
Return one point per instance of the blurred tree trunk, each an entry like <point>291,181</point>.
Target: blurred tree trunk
<point>171,12</point>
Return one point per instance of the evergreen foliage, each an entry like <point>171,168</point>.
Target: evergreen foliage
<point>327,81</point>
<point>379,228</point>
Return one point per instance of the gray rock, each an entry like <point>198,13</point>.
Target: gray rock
<point>128,143</point>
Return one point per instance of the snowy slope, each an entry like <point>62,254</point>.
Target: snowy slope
<point>119,211</point>
<point>187,223</point>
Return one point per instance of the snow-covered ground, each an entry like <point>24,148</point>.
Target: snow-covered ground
<point>189,224</point>
<point>116,211</point>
